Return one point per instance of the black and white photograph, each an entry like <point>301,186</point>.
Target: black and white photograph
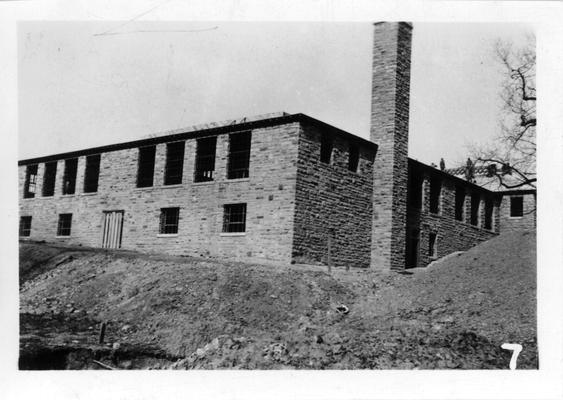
<point>273,194</point>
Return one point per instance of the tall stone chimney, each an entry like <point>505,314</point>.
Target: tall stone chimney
<point>390,130</point>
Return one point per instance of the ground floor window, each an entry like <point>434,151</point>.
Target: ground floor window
<point>234,218</point>
<point>516,206</point>
<point>169,218</point>
<point>65,223</point>
<point>25,226</point>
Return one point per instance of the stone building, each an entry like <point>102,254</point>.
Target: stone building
<point>283,188</point>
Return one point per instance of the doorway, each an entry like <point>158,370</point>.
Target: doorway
<point>112,230</point>
<point>413,246</point>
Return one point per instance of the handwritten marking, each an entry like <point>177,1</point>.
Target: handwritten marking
<point>516,349</point>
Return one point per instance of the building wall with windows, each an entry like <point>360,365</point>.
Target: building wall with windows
<point>433,227</point>
<point>518,210</point>
<point>267,191</point>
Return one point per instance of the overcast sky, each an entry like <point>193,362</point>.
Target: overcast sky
<point>85,84</point>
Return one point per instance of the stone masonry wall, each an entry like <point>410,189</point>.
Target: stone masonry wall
<point>269,193</point>
<point>389,129</point>
<point>526,221</point>
<point>452,235</point>
<point>331,200</point>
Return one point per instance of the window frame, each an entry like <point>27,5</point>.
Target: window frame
<point>25,226</point>
<point>174,165</point>
<point>169,222</point>
<point>62,229</point>
<point>69,176</point>
<point>30,181</point>
<point>203,161</point>
<point>512,206</point>
<point>237,226</point>
<point>239,155</point>
<point>49,179</point>
<point>92,173</point>
<point>146,159</point>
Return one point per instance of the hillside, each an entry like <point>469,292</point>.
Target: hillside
<point>182,312</point>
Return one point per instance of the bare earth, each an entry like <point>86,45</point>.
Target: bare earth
<point>183,312</point>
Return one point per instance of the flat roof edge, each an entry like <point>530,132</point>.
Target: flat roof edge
<point>195,134</point>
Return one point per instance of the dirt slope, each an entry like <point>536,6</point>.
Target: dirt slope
<point>196,313</point>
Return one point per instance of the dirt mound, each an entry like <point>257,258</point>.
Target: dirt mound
<point>211,314</point>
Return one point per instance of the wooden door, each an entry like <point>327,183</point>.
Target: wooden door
<point>113,229</point>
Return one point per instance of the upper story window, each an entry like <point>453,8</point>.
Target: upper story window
<point>516,206</point>
<point>69,177</point>
<point>174,163</point>
<point>435,192</point>
<point>475,206</point>
<point>459,203</point>
<point>205,159</point>
<point>169,220</point>
<point>92,174</point>
<point>414,195</point>
<point>145,168</point>
<point>353,157</point>
<point>49,178</point>
<point>239,155</point>
<point>30,181</point>
<point>327,143</point>
<point>25,226</point>
<point>488,214</point>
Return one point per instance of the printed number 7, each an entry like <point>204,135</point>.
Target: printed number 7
<point>516,349</point>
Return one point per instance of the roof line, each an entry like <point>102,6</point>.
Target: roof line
<point>195,134</point>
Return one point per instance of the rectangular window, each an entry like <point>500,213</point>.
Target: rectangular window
<point>145,168</point>
<point>169,218</point>
<point>353,158</point>
<point>49,178</point>
<point>174,163</point>
<point>205,159</point>
<point>489,214</point>
<point>92,174</point>
<point>475,205</point>
<point>65,223</point>
<point>435,191</point>
<point>459,203</point>
<point>516,206</point>
<point>414,195</point>
<point>69,177</point>
<point>30,181</point>
<point>239,155</point>
<point>234,218</point>
<point>25,226</point>
<point>432,245</point>
<point>327,143</point>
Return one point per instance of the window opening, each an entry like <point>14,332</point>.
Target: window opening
<point>174,163</point>
<point>92,174</point>
<point>69,177</point>
<point>169,220</point>
<point>432,251</point>
<point>145,170</point>
<point>488,214</point>
<point>353,158</point>
<point>49,178</point>
<point>327,143</point>
<point>459,203</point>
<point>25,226</point>
<point>517,206</point>
<point>435,192</point>
<point>65,224</point>
<point>475,204</point>
<point>234,219</point>
<point>205,159</point>
<point>30,181</point>
<point>239,155</point>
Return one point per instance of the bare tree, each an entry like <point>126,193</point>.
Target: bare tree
<point>512,160</point>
